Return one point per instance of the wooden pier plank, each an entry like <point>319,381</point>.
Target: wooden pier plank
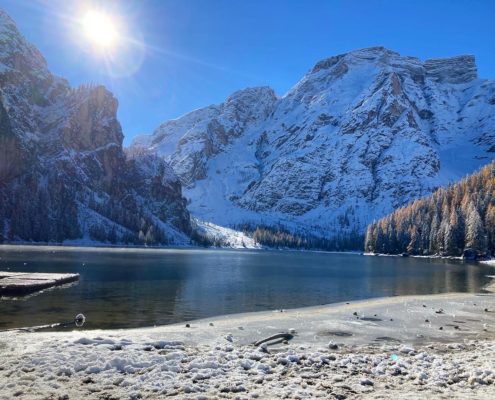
<point>22,283</point>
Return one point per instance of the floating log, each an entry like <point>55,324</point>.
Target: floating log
<point>23,283</point>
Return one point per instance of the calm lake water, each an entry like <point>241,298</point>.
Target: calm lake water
<point>134,288</point>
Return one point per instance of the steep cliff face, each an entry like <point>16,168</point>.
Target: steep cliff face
<point>360,134</point>
<point>63,172</point>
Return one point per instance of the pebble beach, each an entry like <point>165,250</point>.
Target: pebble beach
<point>438,346</point>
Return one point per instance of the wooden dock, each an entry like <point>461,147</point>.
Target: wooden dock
<point>23,283</point>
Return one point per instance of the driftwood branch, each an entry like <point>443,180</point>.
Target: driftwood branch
<point>286,336</point>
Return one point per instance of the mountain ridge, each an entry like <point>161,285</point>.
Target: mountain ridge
<point>360,134</point>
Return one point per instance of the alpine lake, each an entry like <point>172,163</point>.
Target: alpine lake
<point>129,288</point>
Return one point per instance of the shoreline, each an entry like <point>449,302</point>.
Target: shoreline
<point>490,261</point>
<point>402,315</point>
<point>346,350</point>
<point>433,256</point>
<point>116,248</point>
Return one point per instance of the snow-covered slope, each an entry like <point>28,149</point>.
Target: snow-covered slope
<point>200,135</point>
<point>63,172</point>
<point>220,236</point>
<point>359,135</point>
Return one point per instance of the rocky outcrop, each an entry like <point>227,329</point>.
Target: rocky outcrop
<point>63,172</point>
<point>461,69</point>
<point>10,151</point>
<point>359,135</point>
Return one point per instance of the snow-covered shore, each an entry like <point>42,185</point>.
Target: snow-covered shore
<point>381,348</point>
<point>434,256</point>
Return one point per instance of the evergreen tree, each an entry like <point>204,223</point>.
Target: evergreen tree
<point>475,235</point>
<point>447,222</point>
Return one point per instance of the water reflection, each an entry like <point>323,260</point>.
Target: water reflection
<point>145,287</point>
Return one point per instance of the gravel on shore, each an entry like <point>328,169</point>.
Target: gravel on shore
<point>376,349</point>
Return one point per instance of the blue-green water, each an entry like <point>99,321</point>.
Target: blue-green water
<point>134,288</point>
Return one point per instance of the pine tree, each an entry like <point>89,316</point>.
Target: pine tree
<point>412,247</point>
<point>490,228</point>
<point>447,222</point>
<point>475,234</point>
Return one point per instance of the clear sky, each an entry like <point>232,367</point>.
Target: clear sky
<point>179,55</point>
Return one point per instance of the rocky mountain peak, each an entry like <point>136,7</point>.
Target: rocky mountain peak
<point>204,133</point>
<point>459,69</point>
<point>377,54</point>
<point>360,134</point>
<point>249,104</point>
<point>15,52</point>
<point>249,94</point>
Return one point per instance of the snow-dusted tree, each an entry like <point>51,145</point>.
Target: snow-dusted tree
<point>413,247</point>
<point>475,234</point>
<point>490,227</point>
<point>450,220</point>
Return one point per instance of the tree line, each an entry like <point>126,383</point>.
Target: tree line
<point>451,221</point>
<point>279,237</point>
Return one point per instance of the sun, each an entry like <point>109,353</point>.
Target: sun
<point>99,28</point>
<point>109,38</point>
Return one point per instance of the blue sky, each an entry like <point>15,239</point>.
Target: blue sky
<point>186,54</point>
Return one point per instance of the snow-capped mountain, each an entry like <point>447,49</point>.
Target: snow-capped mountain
<point>63,172</point>
<point>359,135</point>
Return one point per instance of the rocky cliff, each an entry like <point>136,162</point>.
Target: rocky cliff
<point>359,135</point>
<point>63,172</point>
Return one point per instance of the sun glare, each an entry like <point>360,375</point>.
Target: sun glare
<point>109,38</point>
<point>100,28</point>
